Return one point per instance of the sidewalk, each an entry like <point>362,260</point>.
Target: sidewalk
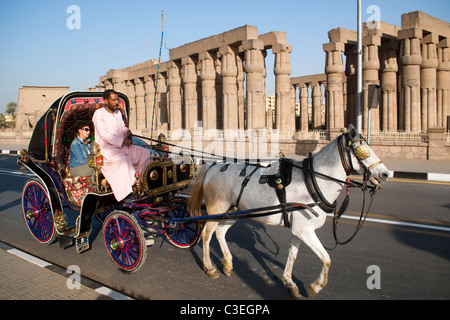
<point>24,277</point>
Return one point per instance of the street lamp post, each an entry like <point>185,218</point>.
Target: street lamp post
<point>359,54</point>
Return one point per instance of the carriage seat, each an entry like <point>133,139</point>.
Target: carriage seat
<point>77,188</point>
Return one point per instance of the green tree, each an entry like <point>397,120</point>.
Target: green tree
<point>11,108</point>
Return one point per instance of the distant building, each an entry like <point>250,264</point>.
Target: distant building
<point>33,101</point>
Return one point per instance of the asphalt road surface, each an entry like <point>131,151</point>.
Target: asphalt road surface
<point>401,252</point>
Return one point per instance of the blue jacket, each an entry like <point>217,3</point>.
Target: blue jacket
<point>78,153</point>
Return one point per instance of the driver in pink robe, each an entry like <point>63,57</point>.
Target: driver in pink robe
<point>121,159</point>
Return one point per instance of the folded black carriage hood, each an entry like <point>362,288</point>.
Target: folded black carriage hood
<point>41,141</point>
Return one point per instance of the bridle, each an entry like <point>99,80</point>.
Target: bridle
<point>359,147</point>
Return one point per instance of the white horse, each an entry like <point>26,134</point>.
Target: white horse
<point>222,188</point>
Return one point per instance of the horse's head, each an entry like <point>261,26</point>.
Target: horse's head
<point>363,159</point>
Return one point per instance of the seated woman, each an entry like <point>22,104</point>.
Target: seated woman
<point>79,150</point>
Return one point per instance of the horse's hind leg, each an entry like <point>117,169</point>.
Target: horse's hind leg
<point>208,231</point>
<point>311,240</point>
<point>227,260</point>
<point>287,274</point>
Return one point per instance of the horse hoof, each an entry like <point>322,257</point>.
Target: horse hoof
<point>292,288</point>
<point>295,292</point>
<point>312,292</point>
<point>212,274</point>
<point>227,271</point>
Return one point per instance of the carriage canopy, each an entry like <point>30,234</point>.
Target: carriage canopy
<point>57,126</point>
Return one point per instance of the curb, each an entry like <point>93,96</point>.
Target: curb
<point>421,175</point>
<point>91,284</point>
<point>9,152</point>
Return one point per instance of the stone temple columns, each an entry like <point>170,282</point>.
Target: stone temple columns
<point>174,83</point>
<point>284,110</point>
<point>229,87</point>
<point>428,81</point>
<point>370,65</point>
<point>131,93</point>
<point>140,104</point>
<point>388,74</point>
<point>254,67</point>
<point>149,89</point>
<point>443,82</point>
<point>218,80</point>
<point>334,68</point>
<point>411,59</point>
<point>303,94</point>
<point>208,79</point>
<point>190,92</point>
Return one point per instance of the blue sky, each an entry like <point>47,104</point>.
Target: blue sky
<point>38,49</point>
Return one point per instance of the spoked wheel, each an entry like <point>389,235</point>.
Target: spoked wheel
<point>124,240</point>
<point>183,235</point>
<point>37,212</point>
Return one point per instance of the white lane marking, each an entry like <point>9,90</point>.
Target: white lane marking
<point>397,223</point>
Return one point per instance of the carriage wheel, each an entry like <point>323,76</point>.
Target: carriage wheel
<point>37,212</point>
<point>185,235</point>
<point>124,240</point>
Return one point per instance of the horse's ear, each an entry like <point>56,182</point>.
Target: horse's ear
<point>352,131</point>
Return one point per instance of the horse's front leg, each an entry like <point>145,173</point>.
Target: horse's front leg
<point>311,240</point>
<point>207,232</point>
<point>287,274</point>
<point>227,259</point>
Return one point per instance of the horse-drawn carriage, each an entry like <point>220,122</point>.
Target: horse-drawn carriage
<point>292,193</point>
<point>53,196</point>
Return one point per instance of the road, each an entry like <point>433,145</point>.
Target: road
<point>401,252</point>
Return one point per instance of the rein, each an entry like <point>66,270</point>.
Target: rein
<point>344,148</point>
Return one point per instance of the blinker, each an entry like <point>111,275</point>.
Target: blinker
<point>362,153</point>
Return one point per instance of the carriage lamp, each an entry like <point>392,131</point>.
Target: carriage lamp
<point>161,145</point>
<point>95,160</point>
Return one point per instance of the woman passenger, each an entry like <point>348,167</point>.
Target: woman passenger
<point>79,151</point>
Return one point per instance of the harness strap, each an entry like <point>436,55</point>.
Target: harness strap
<point>313,186</point>
<point>346,162</point>
<point>244,184</point>
<point>279,182</point>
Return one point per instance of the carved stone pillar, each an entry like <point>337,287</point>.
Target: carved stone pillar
<point>428,81</point>
<point>303,96</point>
<point>371,67</point>
<point>161,116</point>
<point>109,84</point>
<point>316,106</point>
<point>240,92</point>
<point>229,87</point>
<point>443,83</point>
<point>118,82</point>
<point>254,67</point>
<point>350,73</point>
<point>190,92</point>
<point>411,59</point>
<point>149,89</point>
<point>284,110</point>
<point>388,101</point>
<point>334,69</point>
<point>208,77</point>
<point>174,84</point>
<point>132,117</point>
<point>140,104</point>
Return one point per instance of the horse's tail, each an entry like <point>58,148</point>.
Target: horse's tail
<point>196,198</point>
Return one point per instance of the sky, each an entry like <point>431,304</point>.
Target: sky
<point>40,47</point>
